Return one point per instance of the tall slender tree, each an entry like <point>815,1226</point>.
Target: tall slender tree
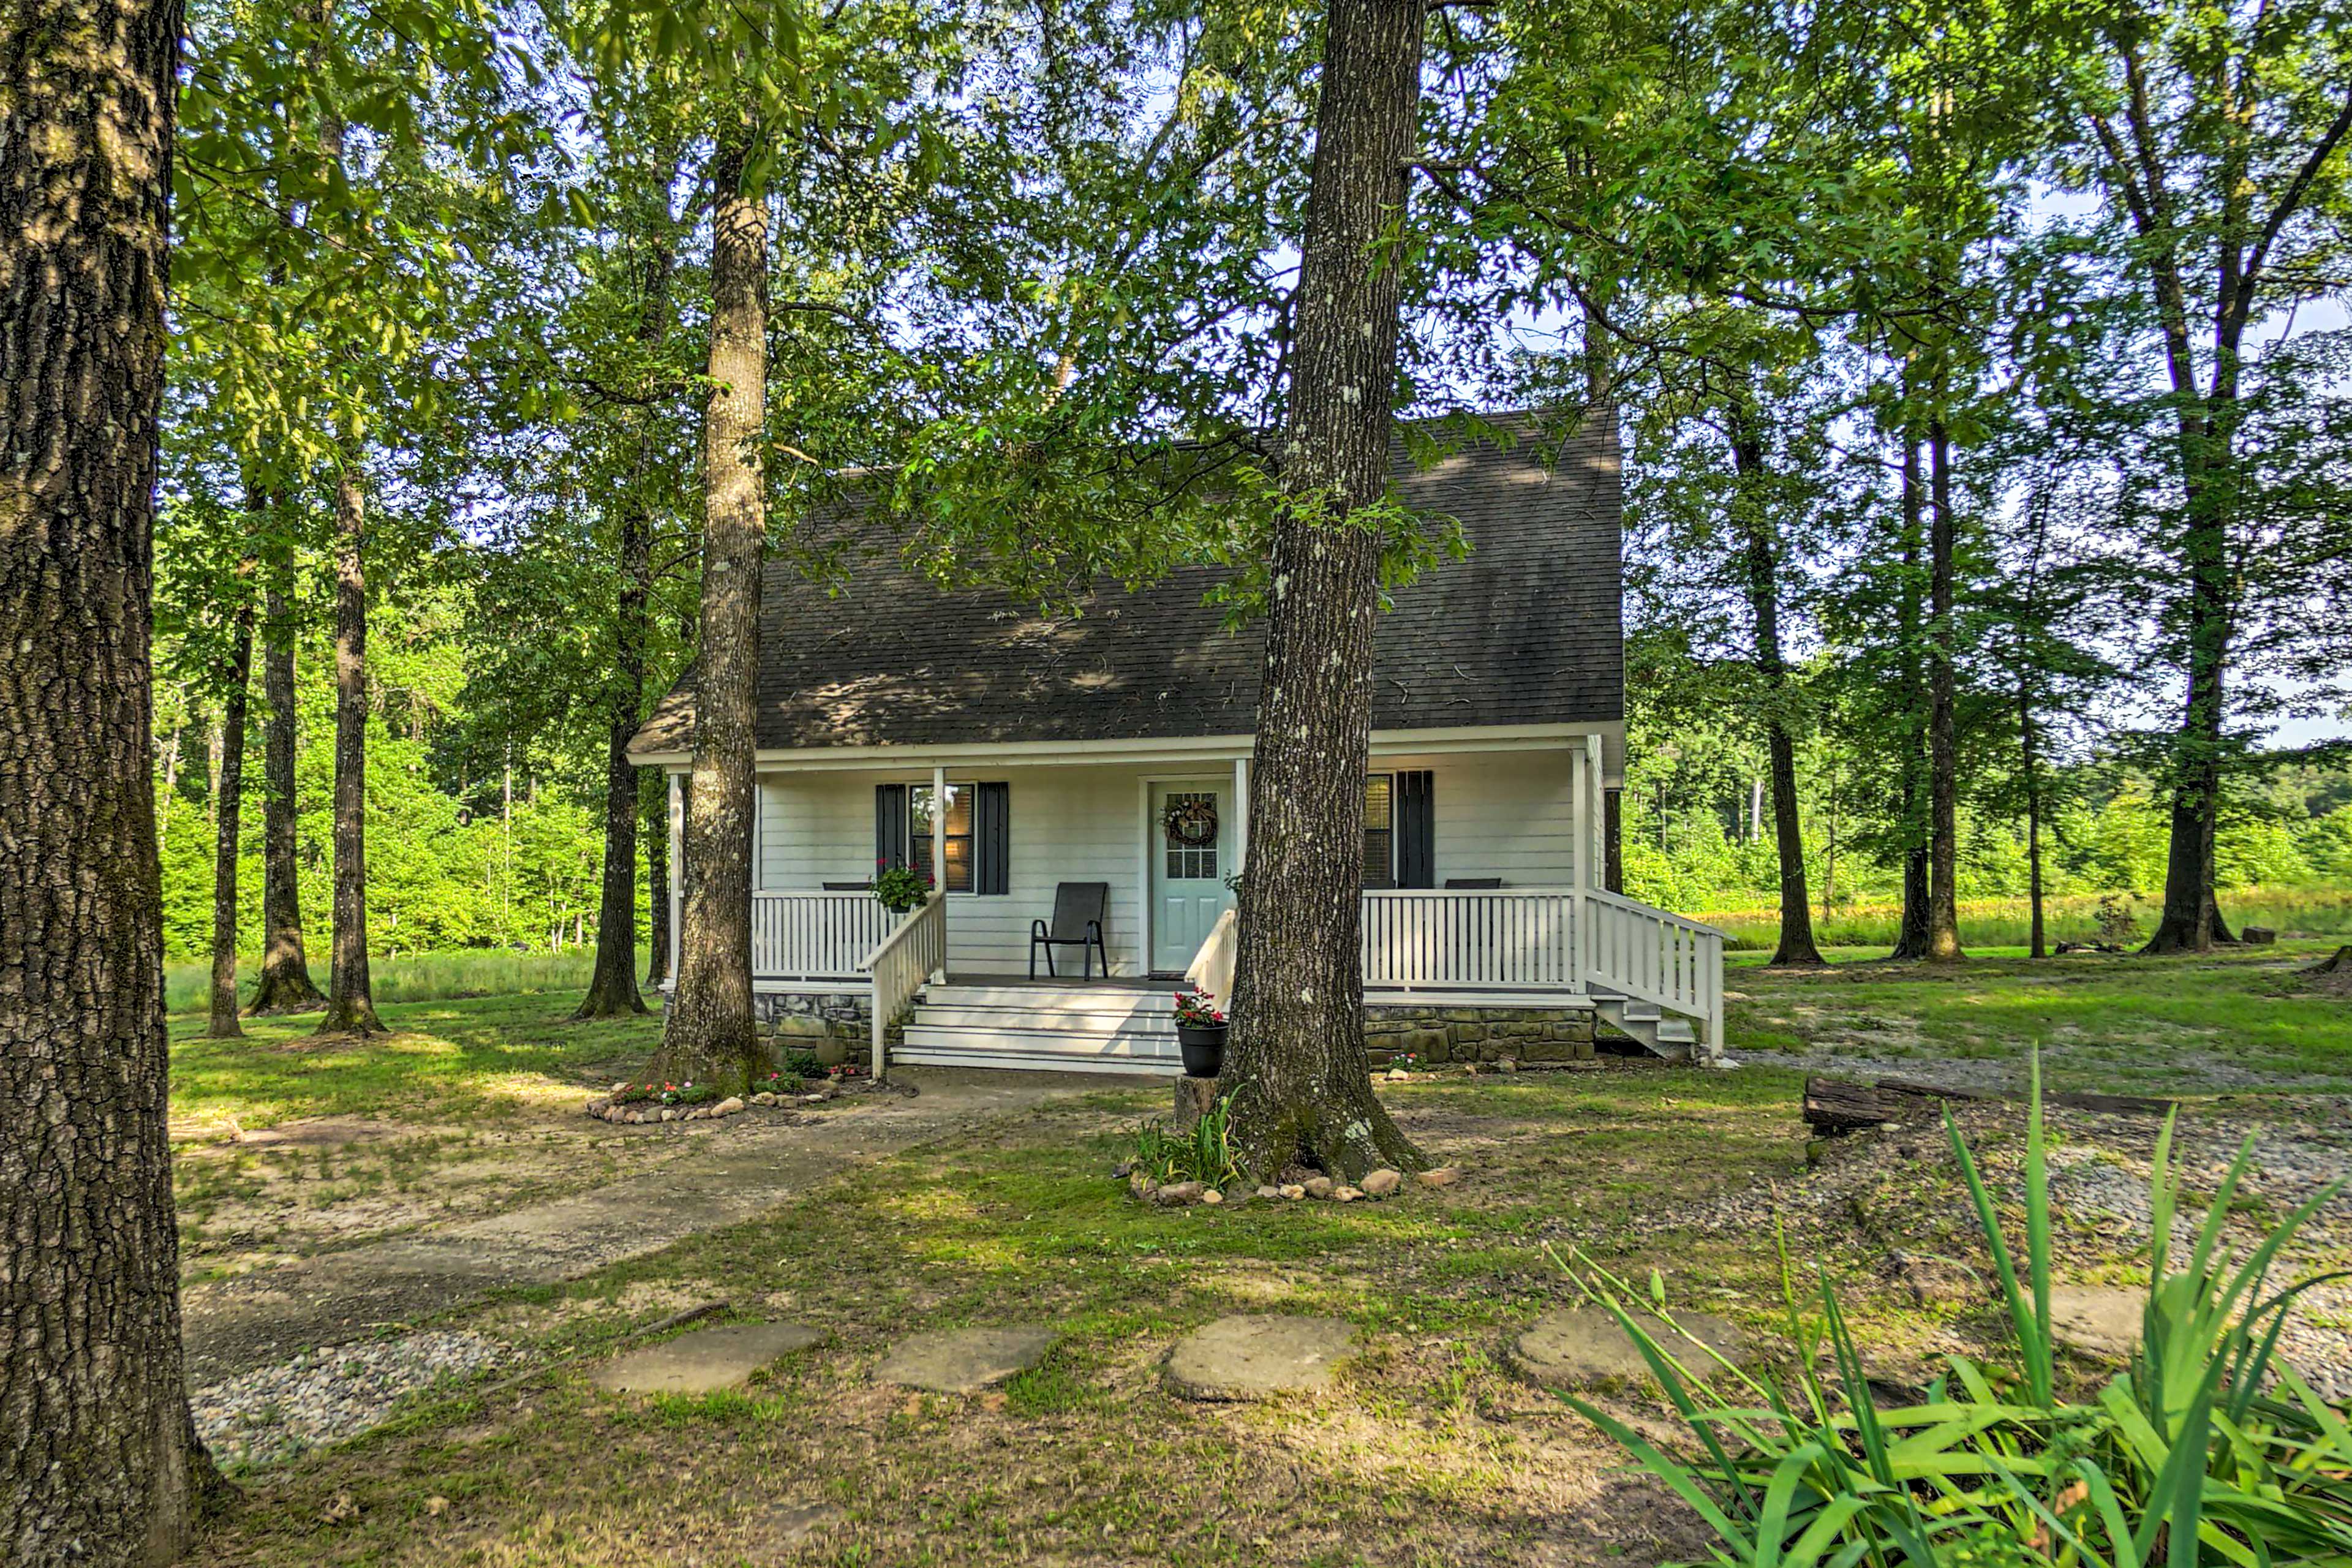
<point>285,985</point>
<point>229,818</point>
<point>1296,1067</point>
<point>711,1034</point>
<point>98,1458</point>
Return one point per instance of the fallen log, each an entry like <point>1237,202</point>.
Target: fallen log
<point>1834,1106</point>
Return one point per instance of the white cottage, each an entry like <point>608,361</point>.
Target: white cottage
<point>1009,754</point>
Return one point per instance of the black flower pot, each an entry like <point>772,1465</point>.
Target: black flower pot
<point>1203,1046</point>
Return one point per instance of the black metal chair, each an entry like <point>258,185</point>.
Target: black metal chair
<point>1079,910</point>
<point>1469,884</point>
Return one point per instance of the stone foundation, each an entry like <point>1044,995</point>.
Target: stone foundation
<point>1438,1033</point>
<point>799,1019</point>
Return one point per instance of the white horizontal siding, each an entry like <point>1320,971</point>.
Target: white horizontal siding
<point>1507,814</point>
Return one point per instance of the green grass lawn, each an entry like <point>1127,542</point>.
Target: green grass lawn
<point>472,1058</point>
<point>1427,1452</point>
<point>2241,1021</point>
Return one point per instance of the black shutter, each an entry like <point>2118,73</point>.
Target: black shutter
<point>889,825</point>
<point>992,837</point>
<point>1416,828</point>
<point>1612,876</point>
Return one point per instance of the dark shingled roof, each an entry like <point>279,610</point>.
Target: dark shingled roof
<point>1525,630</point>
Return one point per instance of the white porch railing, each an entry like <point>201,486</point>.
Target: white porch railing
<point>1662,959</point>
<point>1502,937</point>
<point>902,962</point>
<point>1568,939</point>
<point>815,935</point>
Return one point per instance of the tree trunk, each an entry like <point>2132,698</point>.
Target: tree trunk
<point>284,985</point>
<point>711,1034</point>
<point>97,1458</point>
<point>1943,737</point>
<point>1761,567</point>
<point>1297,1069</point>
<point>2191,920</point>
<point>613,989</point>
<point>350,1000</point>
<point>228,803</point>
<point>1911,936</point>
<point>2031,767</point>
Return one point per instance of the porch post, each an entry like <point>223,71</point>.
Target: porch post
<point>939,858</point>
<point>677,868</point>
<point>1596,816</point>
<point>1576,814</point>
<point>1241,815</point>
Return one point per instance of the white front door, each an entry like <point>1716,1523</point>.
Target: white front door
<point>1189,835</point>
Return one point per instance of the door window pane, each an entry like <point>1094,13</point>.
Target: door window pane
<point>1189,829</point>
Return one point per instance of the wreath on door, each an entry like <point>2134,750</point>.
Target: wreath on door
<point>1192,823</point>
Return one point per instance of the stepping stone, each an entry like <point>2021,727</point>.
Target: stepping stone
<point>963,1360</point>
<point>1586,1347</point>
<point>1258,1357</point>
<point>707,1359</point>
<point>2097,1321</point>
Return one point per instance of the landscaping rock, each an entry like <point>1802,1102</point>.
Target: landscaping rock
<point>2096,1319</point>
<point>727,1107</point>
<point>964,1359</point>
<point>1585,1347</point>
<point>1381,1183</point>
<point>1269,1192</point>
<point>1175,1194</point>
<point>763,1097</point>
<point>1251,1357</point>
<point>1318,1187</point>
<point>1443,1177</point>
<point>2259,936</point>
<point>1344,1195</point>
<point>1292,1190</point>
<point>707,1359</point>
<point>1211,1196</point>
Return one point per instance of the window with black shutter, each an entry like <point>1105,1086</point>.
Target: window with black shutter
<point>977,830</point>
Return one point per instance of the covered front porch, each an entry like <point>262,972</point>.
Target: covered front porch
<point>1483,859</point>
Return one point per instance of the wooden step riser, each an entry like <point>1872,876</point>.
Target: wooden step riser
<point>1024,1018</point>
<point>917,1056</point>
<point>1044,1042</point>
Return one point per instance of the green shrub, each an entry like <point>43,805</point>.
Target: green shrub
<point>1203,1154</point>
<point>2207,1449</point>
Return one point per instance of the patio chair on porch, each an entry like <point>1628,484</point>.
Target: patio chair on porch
<point>1079,910</point>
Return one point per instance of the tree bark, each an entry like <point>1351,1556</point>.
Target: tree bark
<point>350,1000</point>
<point>613,989</point>
<point>1943,736</point>
<point>228,817</point>
<point>1911,936</point>
<point>284,985</point>
<point>711,1034</point>
<point>1297,1070</point>
<point>1760,568</point>
<point>98,1460</point>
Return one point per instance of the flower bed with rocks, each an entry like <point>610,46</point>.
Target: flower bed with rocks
<point>636,1104</point>
<point>1294,1186</point>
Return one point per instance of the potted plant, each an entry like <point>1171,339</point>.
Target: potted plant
<point>1200,1033</point>
<point>900,887</point>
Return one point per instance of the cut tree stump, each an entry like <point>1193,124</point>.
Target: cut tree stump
<point>1834,1106</point>
<point>1195,1097</point>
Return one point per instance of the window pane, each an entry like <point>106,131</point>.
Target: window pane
<point>1380,837</point>
<point>919,833</point>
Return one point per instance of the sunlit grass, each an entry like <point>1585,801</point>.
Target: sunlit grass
<point>1997,923</point>
<point>414,977</point>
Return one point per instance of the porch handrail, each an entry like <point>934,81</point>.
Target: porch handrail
<point>1212,969</point>
<point>808,934</point>
<point>1508,937</point>
<point>1667,960</point>
<point>901,961</point>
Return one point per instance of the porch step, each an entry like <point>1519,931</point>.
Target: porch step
<point>1669,1034</point>
<point>1065,1028</point>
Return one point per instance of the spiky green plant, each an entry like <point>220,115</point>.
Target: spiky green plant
<point>2207,1449</point>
